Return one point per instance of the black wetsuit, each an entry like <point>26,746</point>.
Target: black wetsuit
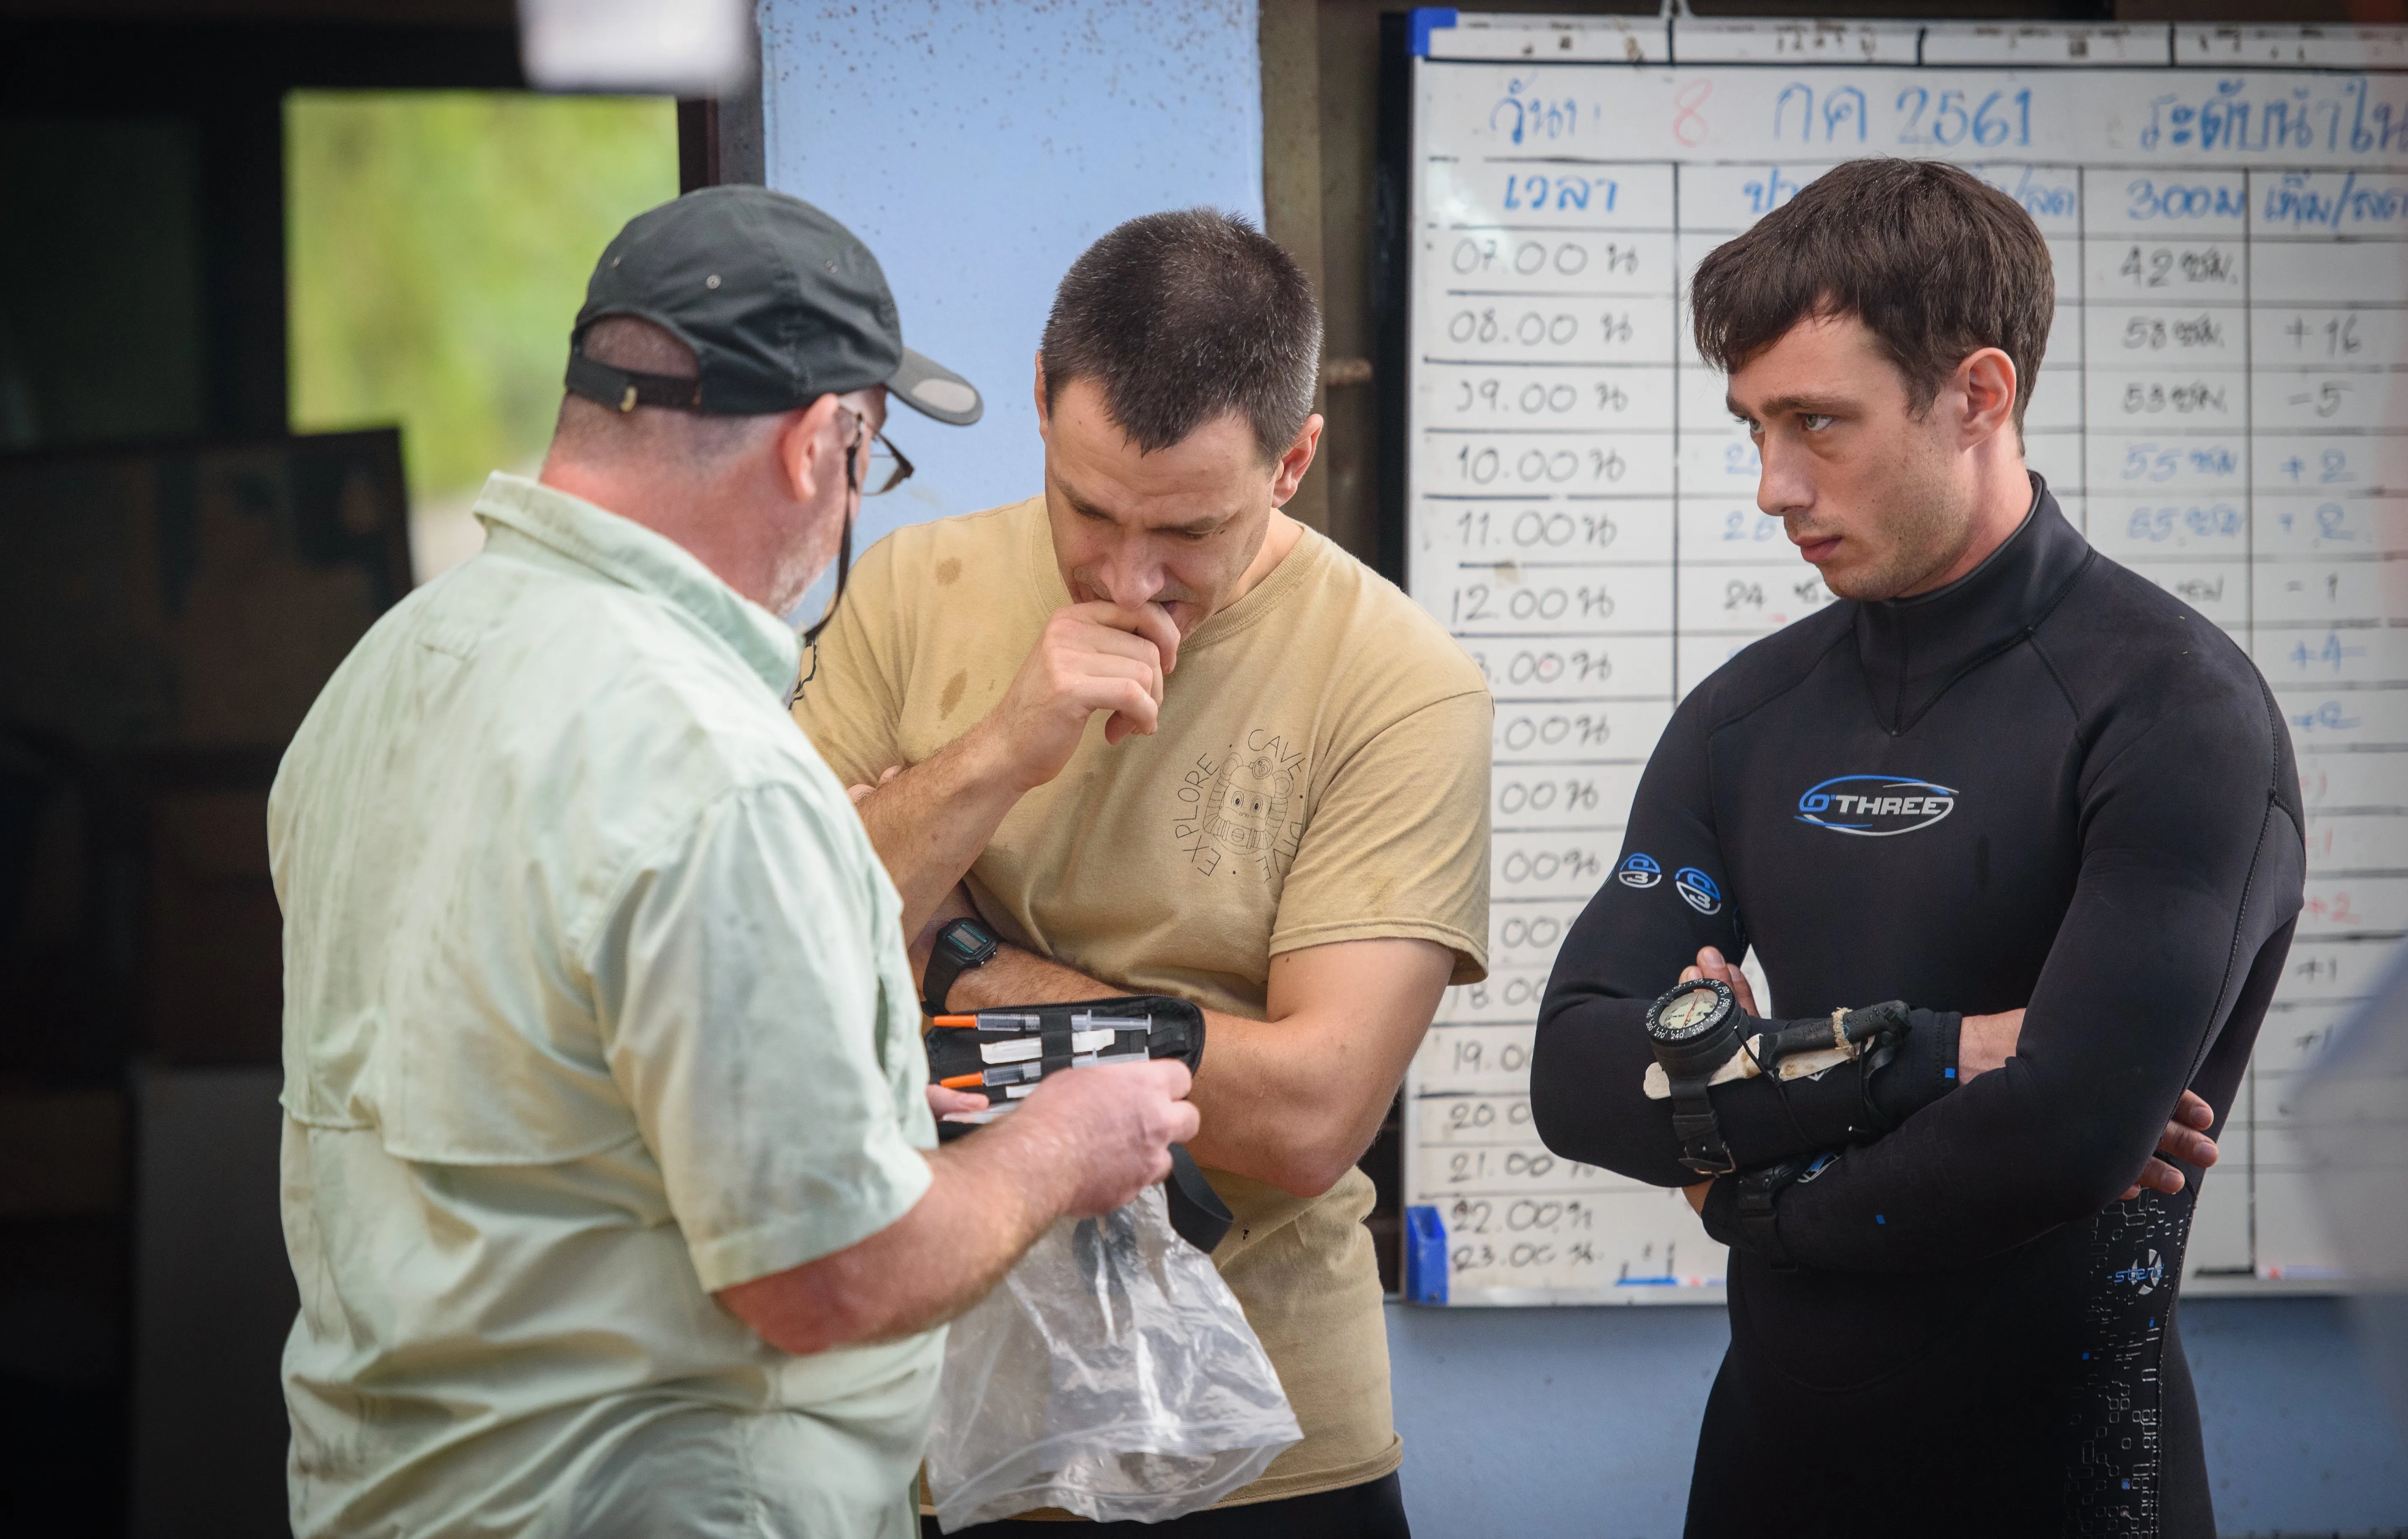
<point>2048,784</point>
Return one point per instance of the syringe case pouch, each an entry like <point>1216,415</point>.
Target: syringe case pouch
<point>1177,1031</point>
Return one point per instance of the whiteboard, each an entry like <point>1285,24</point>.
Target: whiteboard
<point>2220,409</point>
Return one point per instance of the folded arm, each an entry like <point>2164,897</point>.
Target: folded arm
<point>2190,883</point>
<point>2110,1043</point>
<point>2168,925</point>
<point>1982,1044</point>
<point>1590,1067</point>
<point>1633,941</point>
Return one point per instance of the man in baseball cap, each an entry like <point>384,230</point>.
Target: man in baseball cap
<point>609,1170</point>
<point>778,304</point>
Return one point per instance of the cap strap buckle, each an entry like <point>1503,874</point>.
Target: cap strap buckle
<point>623,390</point>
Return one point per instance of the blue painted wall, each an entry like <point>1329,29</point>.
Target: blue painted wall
<point>979,146</point>
<point>1585,1422</point>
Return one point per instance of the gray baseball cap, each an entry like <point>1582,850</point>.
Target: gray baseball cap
<point>781,304</point>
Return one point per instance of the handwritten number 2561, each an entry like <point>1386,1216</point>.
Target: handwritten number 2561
<point>2000,119</point>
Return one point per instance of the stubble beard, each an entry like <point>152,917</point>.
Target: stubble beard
<point>1925,535</point>
<point>804,561</point>
<point>792,581</point>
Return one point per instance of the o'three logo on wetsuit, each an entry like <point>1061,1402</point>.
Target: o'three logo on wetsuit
<point>1697,890</point>
<point>1639,870</point>
<point>1875,806</point>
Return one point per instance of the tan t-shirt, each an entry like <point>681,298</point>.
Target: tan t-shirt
<point>1320,774</point>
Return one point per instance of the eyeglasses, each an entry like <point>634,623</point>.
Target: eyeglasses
<point>888,468</point>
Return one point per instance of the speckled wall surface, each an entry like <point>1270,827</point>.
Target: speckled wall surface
<point>978,147</point>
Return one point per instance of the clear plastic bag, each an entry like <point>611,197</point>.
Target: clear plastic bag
<point>1111,1374</point>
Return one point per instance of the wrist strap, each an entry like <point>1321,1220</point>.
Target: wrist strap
<point>1196,1210</point>
<point>1889,1025</point>
<point>1871,1037</point>
<point>936,982</point>
<point>1703,1149</point>
<point>1759,1192</point>
<point>1875,1059</point>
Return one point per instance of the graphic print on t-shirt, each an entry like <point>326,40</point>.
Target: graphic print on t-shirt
<point>1244,809</point>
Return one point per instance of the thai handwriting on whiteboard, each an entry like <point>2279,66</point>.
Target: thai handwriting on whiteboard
<point>1891,110</point>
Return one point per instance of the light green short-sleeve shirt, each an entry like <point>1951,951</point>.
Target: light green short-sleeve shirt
<point>595,1001</point>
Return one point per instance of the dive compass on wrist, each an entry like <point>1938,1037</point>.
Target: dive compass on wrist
<point>1695,1029</point>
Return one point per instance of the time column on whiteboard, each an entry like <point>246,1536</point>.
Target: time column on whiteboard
<point>1541,512</point>
<point>1539,534</point>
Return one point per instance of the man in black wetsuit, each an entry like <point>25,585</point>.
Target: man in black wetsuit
<point>2007,782</point>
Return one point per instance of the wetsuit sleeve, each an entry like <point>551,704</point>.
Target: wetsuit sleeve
<point>1664,899</point>
<point>2191,872</point>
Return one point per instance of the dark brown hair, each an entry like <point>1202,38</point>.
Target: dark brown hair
<point>1186,316</point>
<point>1936,265</point>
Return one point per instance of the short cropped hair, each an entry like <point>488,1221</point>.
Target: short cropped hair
<point>1184,317</point>
<point>1937,264</point>
<point>593,430</point>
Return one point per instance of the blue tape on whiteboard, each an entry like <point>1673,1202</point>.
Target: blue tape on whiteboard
<point>1425,1257</point>
<point>1426,18</point>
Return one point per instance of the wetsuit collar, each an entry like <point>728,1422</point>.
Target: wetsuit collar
<point>1914,649</point>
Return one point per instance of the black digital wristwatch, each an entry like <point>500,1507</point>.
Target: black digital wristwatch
<point>961,945</point>
<point>1695,1029</point>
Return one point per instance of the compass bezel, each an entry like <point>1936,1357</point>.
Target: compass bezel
<point>1672,1036</point>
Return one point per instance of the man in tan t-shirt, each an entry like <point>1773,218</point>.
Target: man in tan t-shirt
<point>1156,736</point>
